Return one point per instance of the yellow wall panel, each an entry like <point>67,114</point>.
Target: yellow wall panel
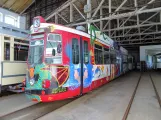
<point>14,68</point>
<point>12,80</point>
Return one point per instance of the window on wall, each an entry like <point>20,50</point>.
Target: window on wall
<point>98,52</point>
<point>20,52</point>
<point>1,17</point>
<point>106,56</point>
<point>86,55</point>
<point>11,20</point>
<point>75,51</point>
<point>6,51</point>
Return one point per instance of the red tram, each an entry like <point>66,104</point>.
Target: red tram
<point>65,62</point>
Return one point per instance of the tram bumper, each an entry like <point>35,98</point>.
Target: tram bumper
<point>39,92</point>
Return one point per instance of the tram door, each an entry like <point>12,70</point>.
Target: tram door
<point>81,64</point>
<point>85,66</point>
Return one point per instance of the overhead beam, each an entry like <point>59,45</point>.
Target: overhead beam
<point>136,34</point>
<point>120,15</point>
<point>120,6</point>
<point>142,43</point>
<point>149,18</point>
<point>63,18</point>
<point>133,40</point>
<point>78,11</point>
<point>133,26</point>
<point>21,6</point>
<point>27,7</point>
<point>59,9</point>
<point>99,6</point>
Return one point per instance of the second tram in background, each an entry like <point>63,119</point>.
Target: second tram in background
<point>14,51</point>
<point>65,62</point>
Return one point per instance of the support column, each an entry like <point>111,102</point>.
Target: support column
<point>71,12</point>
<point>101,22</point>
<point>109,27</point>
<point>160,16</point>
<point>118,22</point>
<point>136,6</point>
<point>56,18</point>
<point>2,47</point>
<point>12,49</point>
<point>88,16</point>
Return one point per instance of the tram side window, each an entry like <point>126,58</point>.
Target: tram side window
<point>86,56</point>
<point>124,58</point>
<point>6,51</point>
<point>98,52</point>
<point>75,51</point>
<point>106,56</point>
<point>130,60</point>
<point>20,52</point>
<point>113,58</point>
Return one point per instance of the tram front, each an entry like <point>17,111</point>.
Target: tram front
<point>39,79</point>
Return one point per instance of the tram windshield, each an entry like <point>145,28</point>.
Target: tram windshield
<point>36,52</point>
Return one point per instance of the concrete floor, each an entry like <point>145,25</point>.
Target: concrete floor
<point>106,103</point>
<point>13,103</point>
<point>110,101</point>
<point>145,105</point>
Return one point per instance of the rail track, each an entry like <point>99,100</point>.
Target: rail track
<point>6,93</point>
<point>35,111</point>
<point>134,94</point>
<point>41,109</point>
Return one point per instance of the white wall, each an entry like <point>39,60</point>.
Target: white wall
<point>143,51</point>
<point>21,20</point>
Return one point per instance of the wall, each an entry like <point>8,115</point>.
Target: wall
<point>21,20</point>
<point>143,51</point>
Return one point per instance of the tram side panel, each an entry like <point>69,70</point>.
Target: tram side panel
<point>12,74</point>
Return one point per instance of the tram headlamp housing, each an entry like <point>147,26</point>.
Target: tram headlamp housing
<point>32,81</point>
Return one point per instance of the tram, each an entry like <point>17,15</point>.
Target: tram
<point>65,62</point>
<point>13,56</point>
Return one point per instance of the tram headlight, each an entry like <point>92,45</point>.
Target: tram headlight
<point>32,81</point>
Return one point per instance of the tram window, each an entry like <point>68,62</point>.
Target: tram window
<point>124,58</point>
<point>6,51</point>
<point>54,41</point>
<point>55,37</point>
<point>98,52</point>
<point>86,56</point>
<point>21,41</point>
<point>20,54</point>
<point>75,51</point>
<point>113,58</point>
<point>130,60</point>
<point>37,36</point>
<point>106,56</point>
<point>6,38</point>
